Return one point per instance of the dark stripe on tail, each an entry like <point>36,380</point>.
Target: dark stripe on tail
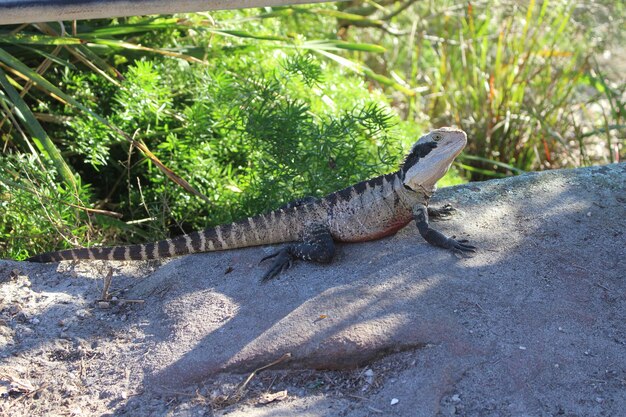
<point>134,252</point>
<point>118,252</point>
<point>150,250</point>
<point>164,248</point>
<point>274,227</point>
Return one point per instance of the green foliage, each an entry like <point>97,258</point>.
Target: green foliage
<point>36,212</point>
<point>306,67</point>
<point>513,76</point>
<point>509,93</point>
<point>252,143</point>
<point>254,108</point>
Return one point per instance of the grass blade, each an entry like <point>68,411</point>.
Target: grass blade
<point>491,161</point>
<point>31,124</point>
<point>363,70</point>
<point>335,45</point>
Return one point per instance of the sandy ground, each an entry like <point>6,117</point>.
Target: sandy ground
<point>532,325</point>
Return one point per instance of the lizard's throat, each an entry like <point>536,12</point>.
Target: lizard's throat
<point>424,179</point>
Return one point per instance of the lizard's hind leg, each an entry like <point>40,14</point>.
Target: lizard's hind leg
<point>316,246</point>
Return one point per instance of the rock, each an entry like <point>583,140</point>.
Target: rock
<point>546,277</point>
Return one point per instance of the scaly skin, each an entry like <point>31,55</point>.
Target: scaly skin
<point>365,211</point>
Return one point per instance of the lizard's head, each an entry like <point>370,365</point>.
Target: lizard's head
<point>430,158</point>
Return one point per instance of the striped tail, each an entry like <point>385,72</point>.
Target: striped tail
<point>275,227</point>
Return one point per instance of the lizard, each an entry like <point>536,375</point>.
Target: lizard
<point>365,211</point>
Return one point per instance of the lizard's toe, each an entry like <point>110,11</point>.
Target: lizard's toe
<point>283,262</point>
<point>461,246</point>
<point>442,213</point>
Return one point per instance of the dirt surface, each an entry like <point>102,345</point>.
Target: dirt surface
<point>533,324</point>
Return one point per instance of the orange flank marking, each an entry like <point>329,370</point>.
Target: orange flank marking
<point>391,230</point>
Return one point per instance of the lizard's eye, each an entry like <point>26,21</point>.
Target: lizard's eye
<point>436,137</point>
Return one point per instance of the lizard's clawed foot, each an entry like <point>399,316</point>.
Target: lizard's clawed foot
<point>441,213</point>
<point>316,246</point>
<point>283,261</point>
<point>460,247</point>
<point>421,213</point>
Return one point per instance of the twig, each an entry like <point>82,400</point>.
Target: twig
<point>239,391</point>
<point>107,283</point>
<point>358,397</point>
<point>398,10</point>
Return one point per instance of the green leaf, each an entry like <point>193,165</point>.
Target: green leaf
<point>491,161</point>
<point>30,123</point>
<point>134,47</point>
<point>129,29</point>
<point>243,34</point>
<point>485,172</point>
<point>332,45</point>
<point>51,57</point>
<point>36,39</point>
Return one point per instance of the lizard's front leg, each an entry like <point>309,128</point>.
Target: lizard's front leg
<point>317,246</point>
<point>420,214</point>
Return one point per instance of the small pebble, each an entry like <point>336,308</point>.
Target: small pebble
<point>82,313</point>
<point>394,401</point>
<point>455,398</point>
<point>23,331</point>
<point>34,320</point>
<point>522,347</point>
